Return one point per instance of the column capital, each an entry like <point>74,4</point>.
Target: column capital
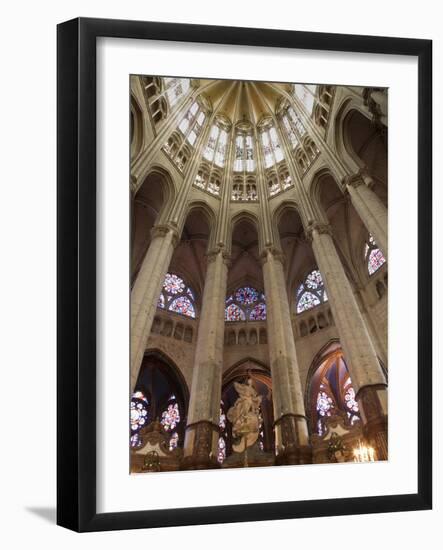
<point>212,254</point>
<point>362,177</point>
<point>161,230</point>
<point>275,252</point>
<point>319,227</point>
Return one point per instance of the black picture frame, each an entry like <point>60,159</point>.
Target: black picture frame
<point>76,279</point>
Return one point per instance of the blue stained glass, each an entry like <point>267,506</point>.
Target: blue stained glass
<point>246,295</point>
<point>258,312</point>
<point>307,301</point>
<point>234,313</point>
<point>182,305</point>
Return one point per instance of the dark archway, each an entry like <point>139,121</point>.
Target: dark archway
<point>147,205</point>
<point>163,394</point>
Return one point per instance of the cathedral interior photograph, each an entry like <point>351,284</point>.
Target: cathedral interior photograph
<point>259,274</point>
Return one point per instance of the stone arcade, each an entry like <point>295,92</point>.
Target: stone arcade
<point>259,257</point>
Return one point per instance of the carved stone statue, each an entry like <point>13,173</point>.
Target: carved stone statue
<point>244,416</point>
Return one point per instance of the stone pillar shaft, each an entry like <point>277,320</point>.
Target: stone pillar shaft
<point>204,406</point>
<point>291,429</point>
<point>364,368</point>
<point>146,291</point>
<point>371,210</point>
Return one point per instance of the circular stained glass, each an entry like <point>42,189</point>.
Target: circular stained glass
<point>139,411</point>
<point>314,280</point>
<point>173,284</point>
<point>246,295</point>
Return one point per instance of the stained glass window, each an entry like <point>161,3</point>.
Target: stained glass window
<point>246,303</point>
<point>332,392</point>
<point>244,154</point>
<point>234,313</point>
<point>170,417</point>
<point>177,296</point>
<point>135,441</point>
<point>139,411</point>
<point>221,453</point>
<point>173,284</point>
<point>182,305</point>
<point>246,295</point>
<point>306,94</point>
<point>272,150</point>
<point>173,442</point>
<point>258,313</point>
<point>176,88</point>
<point>311,292</point>
<point>221,450</point>
<point>373,255</point>
<point>192,123</point>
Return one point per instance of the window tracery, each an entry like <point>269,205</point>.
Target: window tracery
<point>306,93</point>
<point>373,256</point>
<point>311,292</point>
<point>332,392</point>
<point>177,296</point>
<point>180,144</point>
<point>246,303</point>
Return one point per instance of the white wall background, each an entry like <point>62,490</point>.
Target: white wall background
<point>27,289</point>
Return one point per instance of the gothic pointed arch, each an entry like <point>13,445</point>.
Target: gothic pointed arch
<point>161,394</point>
<point>150,206</point>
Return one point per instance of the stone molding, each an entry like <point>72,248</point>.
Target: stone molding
<point>319,227</point>
<point>212,254</point>
<point>276,253</point>
<point>160,231</point>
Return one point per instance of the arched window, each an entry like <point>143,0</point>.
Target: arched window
<point>246,304</point>
<point>272,150</point>
<point>191,124</point>
<point>311,292</point>
<point>215,150</point>
<point>373,256</point>
<point>176,88</point>
<point>159,395</point>
<point>306,93</point>
<point>293,126</point>
<point>244,153</point>
<point>177,296</point>
<point>332,392</point>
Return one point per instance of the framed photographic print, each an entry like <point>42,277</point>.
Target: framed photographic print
<point>230,347</point>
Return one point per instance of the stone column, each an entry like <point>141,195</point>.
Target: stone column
<point>364,368</point>
<point>146,291</point>
<point>373,213</point>
<point>291,430</point>
<point>202,430</point>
